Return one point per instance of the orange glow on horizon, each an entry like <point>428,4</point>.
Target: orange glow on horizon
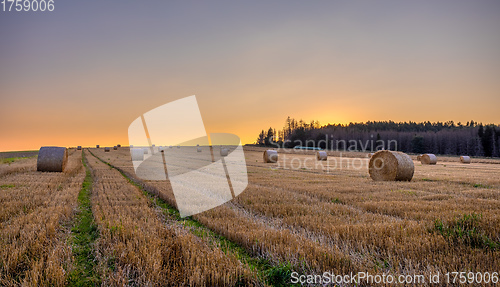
<point>71,135</point>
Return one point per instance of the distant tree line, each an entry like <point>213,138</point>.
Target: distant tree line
<point>472,138</point>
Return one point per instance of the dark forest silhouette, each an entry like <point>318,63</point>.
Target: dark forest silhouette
<point>472,138</point>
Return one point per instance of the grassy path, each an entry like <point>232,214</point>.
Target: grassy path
<point>84,234</point>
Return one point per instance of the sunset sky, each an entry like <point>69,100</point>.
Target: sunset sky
<point>81,74</point>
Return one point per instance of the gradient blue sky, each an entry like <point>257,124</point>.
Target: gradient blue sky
<point>81,74</point>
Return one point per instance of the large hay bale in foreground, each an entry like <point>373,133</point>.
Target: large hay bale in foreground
<point>52,158</point>
<point>107,149</point>
<point>428,158</point>
<point>137,154</point>
<point>388,165</point>
<point>79,147</point>
<point>321,155</point>
<point>465,159</point>
<point>270,156</point>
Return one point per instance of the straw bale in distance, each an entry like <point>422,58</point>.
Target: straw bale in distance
<point>270,156</point>
<point>137,154</point>
<point>465,159</point>
<point>428,158</point>
<point>224,151</point>
<point>321,155</point>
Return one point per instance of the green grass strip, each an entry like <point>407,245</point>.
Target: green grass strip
<point>10,160</point>
<point>270,274</point>
<point>85,232</point>
<point>466,230</point>
<point>7,186</point>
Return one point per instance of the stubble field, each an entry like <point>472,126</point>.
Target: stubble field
<point>296,215</point>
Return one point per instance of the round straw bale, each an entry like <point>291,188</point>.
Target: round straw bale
<point>270,156</point>
<point>391,166</point>
<point>178,146</point>
<point>96,146</point>
<point>79,147</point>
<point>137,154</point>
<point>321,155</point>
<point>52,158</point>
<point>145,150</point>
<point>119,145</point>
<point>106,149</point>
<point>223,151</point>
<point>419,157</point>
<point>428,158</point>
<point>198,149</point>
<point>465,159</point>
<point>115,148</point>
